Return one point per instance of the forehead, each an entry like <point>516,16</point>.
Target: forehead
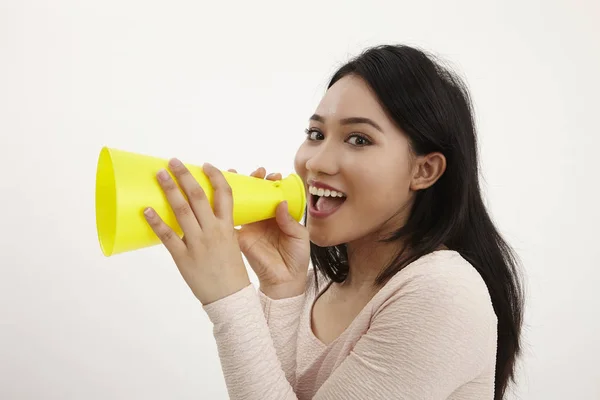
<point>350,97</point>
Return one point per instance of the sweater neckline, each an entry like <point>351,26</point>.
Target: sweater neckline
<point>309,327</point>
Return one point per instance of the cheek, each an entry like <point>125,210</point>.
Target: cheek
<point>382,192</point>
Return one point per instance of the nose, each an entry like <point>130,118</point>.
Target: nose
<point>323,160</point>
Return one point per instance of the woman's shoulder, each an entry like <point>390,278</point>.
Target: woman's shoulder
<point>440,264</point>
<point>443,277</point>
<point>442,281</point>
<point>440,308</point>
<point>447,268</point>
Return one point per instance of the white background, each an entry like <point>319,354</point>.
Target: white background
<point>228,82</point>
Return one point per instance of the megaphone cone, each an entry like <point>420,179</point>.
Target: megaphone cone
<point>126,184</point>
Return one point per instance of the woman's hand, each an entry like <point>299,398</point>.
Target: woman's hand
<point>208,256</point>
<point>277,249</point>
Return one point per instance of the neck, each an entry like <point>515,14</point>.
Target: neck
<point>366,260</point>
<point>368,257</point>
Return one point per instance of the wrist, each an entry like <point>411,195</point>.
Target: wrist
<point>282,291</point>
<point>218,292</point>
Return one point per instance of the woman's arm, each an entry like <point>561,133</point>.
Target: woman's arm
<point>249,360</point>
<point>283,319</point>
<point>434,334</point>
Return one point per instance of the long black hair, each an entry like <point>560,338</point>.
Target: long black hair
<point>432,105</point>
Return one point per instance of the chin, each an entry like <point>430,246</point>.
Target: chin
<point>334,235</point>
<point>325,237</point>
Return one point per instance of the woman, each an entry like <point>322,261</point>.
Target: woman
<point>415,295</point>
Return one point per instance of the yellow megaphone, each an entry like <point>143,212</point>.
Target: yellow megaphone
<point>126,184</point>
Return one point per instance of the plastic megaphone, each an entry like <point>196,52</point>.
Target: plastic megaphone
<point>126,184</point>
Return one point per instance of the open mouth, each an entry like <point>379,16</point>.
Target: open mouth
<point>325,202</point>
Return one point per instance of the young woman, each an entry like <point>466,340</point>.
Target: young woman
<point>414,294</point>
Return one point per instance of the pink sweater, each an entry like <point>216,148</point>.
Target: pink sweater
<point>429,333</point>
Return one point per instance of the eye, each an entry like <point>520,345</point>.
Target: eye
<point>360,140</point>
<point>313,133</point>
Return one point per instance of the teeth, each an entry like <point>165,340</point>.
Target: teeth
<point>325,192</point>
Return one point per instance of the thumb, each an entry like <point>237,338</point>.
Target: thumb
<point>287,223</point>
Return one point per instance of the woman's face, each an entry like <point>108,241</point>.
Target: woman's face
<point>354,147</point>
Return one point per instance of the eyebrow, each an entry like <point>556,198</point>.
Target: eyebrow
<point>351,120</point>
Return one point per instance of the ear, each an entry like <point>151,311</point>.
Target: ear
<point>427,170</point>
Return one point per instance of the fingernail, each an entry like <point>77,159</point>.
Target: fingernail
<point>148,212</point>
<point>175,162</point>
<point>163,175</point>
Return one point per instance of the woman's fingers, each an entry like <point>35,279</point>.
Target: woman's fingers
<point>198,207</point>
<point>223,195</point>
<point>167,236</point>
<point>259,173</point>
<point>182,210</point>
<point>274,176</point>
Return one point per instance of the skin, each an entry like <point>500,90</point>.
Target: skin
<point>208,255</point>
<point>379,174</point>
<point>370,160</point>
<point>372,163</point>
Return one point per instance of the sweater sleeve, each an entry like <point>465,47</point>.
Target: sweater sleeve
<point>433,334</point>
<point>247,352</point>
<point>283,319</point>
